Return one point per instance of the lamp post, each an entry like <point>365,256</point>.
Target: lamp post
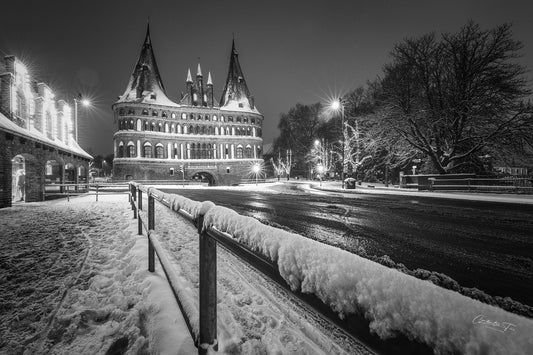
<point>320,170</point>
<point>256,169</point>
<point>85,103</point>
<point>337,104</point>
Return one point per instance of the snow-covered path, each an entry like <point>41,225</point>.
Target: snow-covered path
<point>77,282</point>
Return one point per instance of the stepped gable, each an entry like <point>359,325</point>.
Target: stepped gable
<point>145,84</point>
<point>236,96</point>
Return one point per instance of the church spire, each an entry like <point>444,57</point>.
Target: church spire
<point>236,95</point>
<point>199,70</point>
<point>145,82</point>
<point>209,80</point>
<point>189,76</point>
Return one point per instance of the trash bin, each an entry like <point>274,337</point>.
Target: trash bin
<point>349,183</point>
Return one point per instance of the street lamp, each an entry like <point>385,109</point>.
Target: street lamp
<point>336,105</point>
<point>320,170</point>
<point>256,169</point>
<point>83,102</point>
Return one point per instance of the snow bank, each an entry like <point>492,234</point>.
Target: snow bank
<point>392,301</point>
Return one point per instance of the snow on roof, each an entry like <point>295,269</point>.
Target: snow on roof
<point>9,126</point>
<point>155,97</point>
<point>145,84</point>
<point>235,105</point>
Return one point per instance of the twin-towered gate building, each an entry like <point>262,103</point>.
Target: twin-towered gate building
<point>198,137</point>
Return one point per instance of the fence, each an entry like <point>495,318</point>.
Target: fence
<point>67,190</point>
<point>205,333</point>
<point>510,184</point>
<point>374,279</point>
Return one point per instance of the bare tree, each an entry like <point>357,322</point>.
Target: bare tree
<point>459,97</point>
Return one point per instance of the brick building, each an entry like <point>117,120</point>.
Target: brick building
<point>197,137</point>
<point>37,145</point>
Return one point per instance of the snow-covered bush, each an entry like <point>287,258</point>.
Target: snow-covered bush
<point>392,301</point>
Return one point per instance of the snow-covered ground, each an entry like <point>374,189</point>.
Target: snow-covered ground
<point>74,280</point>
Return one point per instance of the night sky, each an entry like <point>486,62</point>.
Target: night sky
<point>290,51</point>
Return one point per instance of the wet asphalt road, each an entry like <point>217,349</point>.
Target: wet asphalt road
<point>486,245</point>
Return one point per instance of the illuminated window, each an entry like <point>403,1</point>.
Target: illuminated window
<point>239,153</point>
<point>130,153</point>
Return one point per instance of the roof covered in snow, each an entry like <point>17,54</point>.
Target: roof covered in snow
<point>146,85</point>
<point>236,96</point>
<point>9,126</point>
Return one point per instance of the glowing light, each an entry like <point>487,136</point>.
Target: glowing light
<point>320,168</point>
<point>86,102</point>
<point>317,142</point>
<point>336,105</point>
<point>256,169</point>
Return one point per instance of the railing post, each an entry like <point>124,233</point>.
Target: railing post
<point>96,192</point>
<point>208,289</point>
<point>68,197</point>
<point>139,208</point>
<point>151,227</point>
<point>133,195</point>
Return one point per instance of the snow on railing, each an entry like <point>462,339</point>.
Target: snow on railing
<point>393,302</point>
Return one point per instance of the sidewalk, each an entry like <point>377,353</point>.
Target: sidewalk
<point>379,188</point>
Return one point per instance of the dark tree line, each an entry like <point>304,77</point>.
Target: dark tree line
<point>450,101</point>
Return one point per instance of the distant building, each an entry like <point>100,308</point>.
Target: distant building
<point>198,137</point>
<point>37,143</point>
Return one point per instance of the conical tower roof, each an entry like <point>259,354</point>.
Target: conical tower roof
<point>236,96</point>
<point>145,83</point>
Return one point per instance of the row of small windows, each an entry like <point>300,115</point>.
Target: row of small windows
<point>192,151</point>
<point>129,124</point>
<point>190,116</point>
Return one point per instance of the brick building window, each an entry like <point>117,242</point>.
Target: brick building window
<point>147,150</point>
<point>159,152</point>
<point>130,153</point>
<point>238,153</point>
<point>248,152</point>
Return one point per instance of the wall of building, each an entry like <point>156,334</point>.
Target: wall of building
<point>35,156</point>
<point>227,139</point>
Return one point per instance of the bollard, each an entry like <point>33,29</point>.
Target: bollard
<point>68,197</point>
<point>208,289</point>
<point>151,227</point>
<point>139,208</point>
<point>96,192</point>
